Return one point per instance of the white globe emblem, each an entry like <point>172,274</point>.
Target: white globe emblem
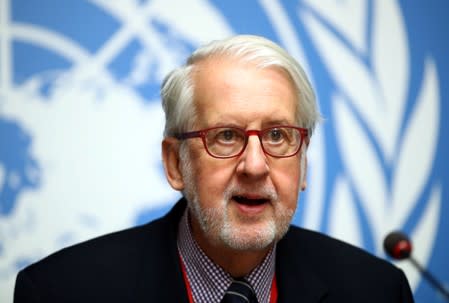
<point>97,140</point>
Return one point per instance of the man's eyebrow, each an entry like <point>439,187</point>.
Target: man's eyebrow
<point>227,124</point>
<point>243,126</point>
<point>226,121</point>
<point>277,122</point>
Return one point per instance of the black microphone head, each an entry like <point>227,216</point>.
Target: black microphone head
<point>397,245</point>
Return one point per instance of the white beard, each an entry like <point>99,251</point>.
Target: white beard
<point>220,229</point>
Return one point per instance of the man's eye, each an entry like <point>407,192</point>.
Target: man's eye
<point>226,135</point>
<point>275,135</point>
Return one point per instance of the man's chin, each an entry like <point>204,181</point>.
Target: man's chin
<point>247,246</point>
<point>252,237</point>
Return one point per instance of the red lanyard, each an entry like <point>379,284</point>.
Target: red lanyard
<point>273,295</point>
<point>274,290</point>
<point>186,281</point>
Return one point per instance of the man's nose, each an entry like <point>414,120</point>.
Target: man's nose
<point>253,162</point>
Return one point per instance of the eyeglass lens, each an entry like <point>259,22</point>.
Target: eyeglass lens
<point>277,141</point>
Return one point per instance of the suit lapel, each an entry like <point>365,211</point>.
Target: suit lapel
<point>161,277</point>
<point>297,281</point>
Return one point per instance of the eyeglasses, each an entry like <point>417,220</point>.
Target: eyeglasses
<point>229,142</point>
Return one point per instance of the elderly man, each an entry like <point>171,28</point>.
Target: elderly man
<point>239,117</point>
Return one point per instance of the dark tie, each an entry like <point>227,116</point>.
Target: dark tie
<point>240,291</point>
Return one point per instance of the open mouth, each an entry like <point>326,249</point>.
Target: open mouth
<point>250,201</point>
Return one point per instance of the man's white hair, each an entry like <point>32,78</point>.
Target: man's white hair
<point>177,89</point>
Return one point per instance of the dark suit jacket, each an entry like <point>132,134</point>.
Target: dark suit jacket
<point>141,264</point>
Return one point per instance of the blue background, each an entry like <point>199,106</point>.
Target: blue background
<point>89,26</point>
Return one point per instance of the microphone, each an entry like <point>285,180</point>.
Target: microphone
<point>398,246</point>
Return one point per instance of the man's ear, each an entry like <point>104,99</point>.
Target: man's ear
<point>171,161</point>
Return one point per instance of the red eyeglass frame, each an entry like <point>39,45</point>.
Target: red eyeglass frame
<point>304,135</point>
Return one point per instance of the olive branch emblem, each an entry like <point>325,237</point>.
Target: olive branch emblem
<point>387,154</point>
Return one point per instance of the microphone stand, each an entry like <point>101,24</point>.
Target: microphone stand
<point>429,277</point>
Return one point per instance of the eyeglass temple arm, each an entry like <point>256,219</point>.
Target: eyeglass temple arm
<point>183,136</point>
<point>307,133</point>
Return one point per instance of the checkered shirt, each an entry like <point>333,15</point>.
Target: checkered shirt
<point>209,281</point>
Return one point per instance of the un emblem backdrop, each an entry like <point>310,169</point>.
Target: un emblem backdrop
<point>81,122</point>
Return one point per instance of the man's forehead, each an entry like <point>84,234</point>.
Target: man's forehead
<point>230,103</point>
<point>223,68</point>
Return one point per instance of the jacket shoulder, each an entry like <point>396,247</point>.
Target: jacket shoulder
<point>107,268</point>
<point>326,252</point>
<point>349,273</point>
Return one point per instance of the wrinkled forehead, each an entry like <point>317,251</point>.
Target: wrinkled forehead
<point>219,72</point>
<point>242,92</point>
